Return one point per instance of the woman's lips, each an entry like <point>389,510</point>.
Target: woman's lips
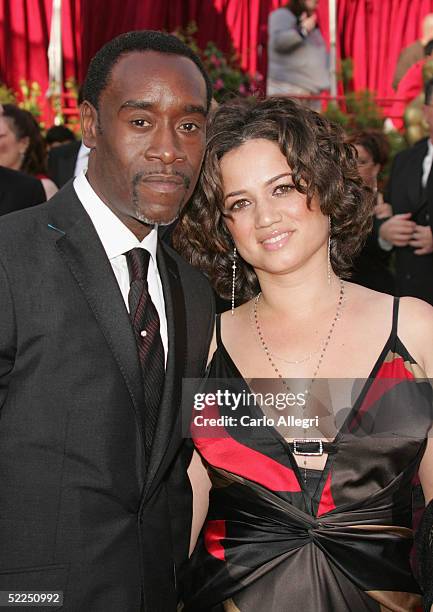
<point>277,241</point>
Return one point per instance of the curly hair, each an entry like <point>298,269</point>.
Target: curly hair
<point>373,141</point>
<point>322,165</point>
<point>23,125</point>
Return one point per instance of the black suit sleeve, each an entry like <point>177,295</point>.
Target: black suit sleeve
<point>18,191</point>
<point>7,334</point>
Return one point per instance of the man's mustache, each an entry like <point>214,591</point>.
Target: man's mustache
<point>140,176</point>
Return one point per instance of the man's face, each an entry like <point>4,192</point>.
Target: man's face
<point>428,116</point>
<point>147,138</point>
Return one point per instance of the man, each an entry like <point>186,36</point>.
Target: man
<point>413,53</point>
<point>410,193</point>
<point>297,56</point>
<point>68,160</point>
<point>410,86</point>
<point>94,498</point>
<point>58,135</point>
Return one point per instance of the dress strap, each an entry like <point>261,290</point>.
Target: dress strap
<point>395,306</point>
<point>218,329</point>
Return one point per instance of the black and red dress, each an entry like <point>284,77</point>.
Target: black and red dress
<point>269,544</point>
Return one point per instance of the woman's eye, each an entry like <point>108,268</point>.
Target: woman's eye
<point>239,204</point>
<point>283,189</point>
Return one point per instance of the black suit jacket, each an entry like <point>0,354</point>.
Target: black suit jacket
<point>414,273</point>
<point>79,509</point>
<point>19,190</point>
<point>61,162</point>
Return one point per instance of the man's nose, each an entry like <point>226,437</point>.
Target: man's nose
<point>165,146</point>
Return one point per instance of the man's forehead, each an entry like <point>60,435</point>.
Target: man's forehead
<point>140,68</point>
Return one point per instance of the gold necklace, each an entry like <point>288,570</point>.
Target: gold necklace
<point>270,356</point>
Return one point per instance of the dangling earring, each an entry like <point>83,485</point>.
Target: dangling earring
<point>233,280</point>
<point>329,250</point>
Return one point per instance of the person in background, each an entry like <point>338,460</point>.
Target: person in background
<point>67,161</point>
<point>18,190</point>
<point>371,266</point>
<point>410,86</point>
<point>22,146</point>
<point>413,53</point>
<point>297,55</point>
<point>58,135</point>
<point>410,194</point>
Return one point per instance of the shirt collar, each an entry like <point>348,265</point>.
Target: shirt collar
<point>429,147</point>
<point>116,238</point>
<point>83,151</point>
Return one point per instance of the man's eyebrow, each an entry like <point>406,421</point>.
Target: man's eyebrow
<point>140,104</point>
<point>195,108</point>
<point>143,105</point>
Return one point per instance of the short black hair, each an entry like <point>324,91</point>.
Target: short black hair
<point>101,66</point>
<point>428,49</point>
<point>59,133</point>
<point>428,91</point>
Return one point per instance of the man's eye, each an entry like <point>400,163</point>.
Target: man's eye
<point>140,122</point>
<point>189,127</point>
<point>283,189</point>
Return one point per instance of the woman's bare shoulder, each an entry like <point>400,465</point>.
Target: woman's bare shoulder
<point>415,329</point>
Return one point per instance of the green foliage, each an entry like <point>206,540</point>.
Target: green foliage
<point>361,111</point>
<point>7,96</point>
<point>30,94</point>
<point>225,72</point>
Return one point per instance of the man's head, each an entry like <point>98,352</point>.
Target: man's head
<point>428,105</point>
<point>428,49</point>
<point>146,97</point>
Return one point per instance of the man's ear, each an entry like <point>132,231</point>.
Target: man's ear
<point>89,122</point>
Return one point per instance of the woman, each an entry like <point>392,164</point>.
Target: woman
<point>297,55</point>
<point>22,146</point>
<point>317,519</point>
<point>371,266</point>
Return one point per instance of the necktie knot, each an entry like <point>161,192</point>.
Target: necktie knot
<point>138,264</point>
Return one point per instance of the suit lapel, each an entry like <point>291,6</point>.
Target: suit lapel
<point>169,417</point>
<point>415,185</point>
<point>79,245</point>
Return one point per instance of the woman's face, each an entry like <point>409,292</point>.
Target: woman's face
<point>271,225</point>
<point>367,169</point>
<point>12,149</point>
<point>310,6</point>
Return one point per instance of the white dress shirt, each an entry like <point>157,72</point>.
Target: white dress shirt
<point>117,240</point>
<point>427,162</point>
<point>82,159</point>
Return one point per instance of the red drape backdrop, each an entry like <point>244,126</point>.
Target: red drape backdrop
<point>372,32</point>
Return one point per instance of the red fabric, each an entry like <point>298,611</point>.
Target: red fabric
<point>369,31</point>
<point>25,32</point>
<point>391,373</point>
<point>410,86</point>
<point>224,452</point>
<point>214,532</point>
<point>327,503</point>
